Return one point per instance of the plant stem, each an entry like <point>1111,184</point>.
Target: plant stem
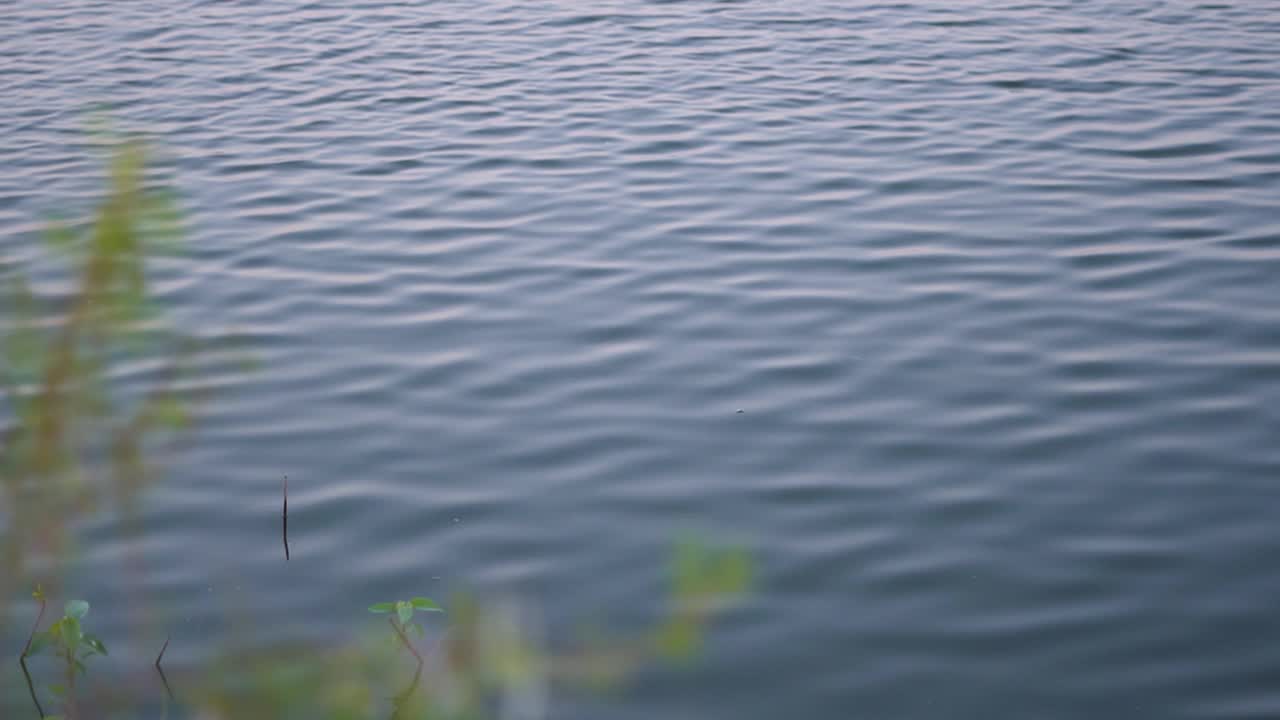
<point>400,702</point>
<point>72,712</point>
<point>36,625</point>
<point>22,659</point>
<point>395,625</point>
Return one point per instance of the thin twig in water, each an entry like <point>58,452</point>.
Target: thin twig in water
<point>164,680</point>
<point>22,659</point>
<point>160,657</point>
<point>284,519</point>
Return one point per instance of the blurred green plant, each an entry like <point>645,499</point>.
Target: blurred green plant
<point>72,646</point>
<point>487,662</point>
<point>703,579</point>
<point>400,617</point>
<point>66,439</point>
<point>404,610</point>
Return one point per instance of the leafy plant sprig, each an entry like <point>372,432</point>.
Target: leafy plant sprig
<point>401,618</point>
<point>68,641</point>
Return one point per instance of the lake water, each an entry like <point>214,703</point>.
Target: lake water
<point>996,287</point>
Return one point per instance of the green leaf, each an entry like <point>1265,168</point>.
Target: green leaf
<point>77,608</point>
<point>69,630</point>
<point>382,607</point>
<point>417,629</point>
<point>427,604</point>
<point>95,644</point>
<point>404,610</point>
<point>58,690</point>
<point>80,666</point>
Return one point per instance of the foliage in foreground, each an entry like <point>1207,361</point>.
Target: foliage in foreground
<point>70,440</point>
<point>68,642</point>
<point>484,661</point>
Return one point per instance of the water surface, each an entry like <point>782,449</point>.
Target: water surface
<point>993,284</point>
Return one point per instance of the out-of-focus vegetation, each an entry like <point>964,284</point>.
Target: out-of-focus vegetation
<point>69,441</point>
<point>486,661</point>
<point>67,640</point>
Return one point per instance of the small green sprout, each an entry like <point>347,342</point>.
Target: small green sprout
<point>404,608</point>
<point>69,642</point>
<point>401,618</point>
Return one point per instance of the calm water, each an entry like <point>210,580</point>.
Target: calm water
<point>994,284</point>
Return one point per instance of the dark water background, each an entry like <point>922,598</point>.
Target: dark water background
<point>995,285</point>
